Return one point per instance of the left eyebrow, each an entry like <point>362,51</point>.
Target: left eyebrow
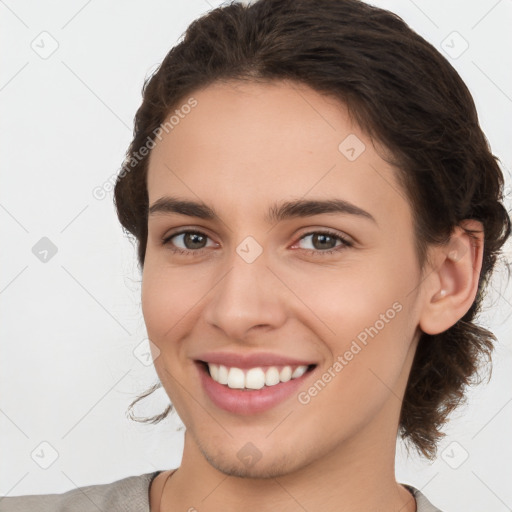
<point>276,213</point>
<point>307,208</point>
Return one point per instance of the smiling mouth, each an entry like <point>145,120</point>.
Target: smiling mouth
<point>256,378</point>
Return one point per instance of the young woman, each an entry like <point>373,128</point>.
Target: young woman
<point>317,213</point>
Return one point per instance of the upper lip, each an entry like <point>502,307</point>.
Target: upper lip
<point>232,359</point>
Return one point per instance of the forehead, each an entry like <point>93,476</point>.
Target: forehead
<point>249,143</point>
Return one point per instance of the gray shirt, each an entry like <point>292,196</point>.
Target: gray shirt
<point>130,494</point>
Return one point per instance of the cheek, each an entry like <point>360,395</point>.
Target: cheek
<point>167,306</point>
<point>368,339</point>
<point>364,311</point>
<point>154,307</point>
<point>164,300</point>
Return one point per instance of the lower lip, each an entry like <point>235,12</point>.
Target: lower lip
<point>248,402</point>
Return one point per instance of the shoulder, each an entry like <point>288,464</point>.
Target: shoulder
<point>423,505</point>
<point>126,495</point>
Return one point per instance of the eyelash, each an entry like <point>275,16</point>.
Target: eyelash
<point>314,252</point>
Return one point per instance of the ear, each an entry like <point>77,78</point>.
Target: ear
<point>451,286</point>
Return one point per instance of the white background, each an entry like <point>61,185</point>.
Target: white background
<point>69,326</point>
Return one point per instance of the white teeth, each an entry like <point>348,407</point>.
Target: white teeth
<point>272,376</point>
<point>236,378</point>
<point>286,374</point>
<point>254,378</point>
<point>299,372</point>
<point>214,370</point>
<point>222,377</point>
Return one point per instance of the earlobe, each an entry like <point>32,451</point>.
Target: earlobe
<point>450,288</point>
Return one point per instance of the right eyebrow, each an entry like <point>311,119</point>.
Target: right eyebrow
<point>168,204</point>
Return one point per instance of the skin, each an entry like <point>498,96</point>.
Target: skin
<point>244,147</point>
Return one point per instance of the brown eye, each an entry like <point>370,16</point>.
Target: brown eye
<point>324,242</point>
<point>184,241</point>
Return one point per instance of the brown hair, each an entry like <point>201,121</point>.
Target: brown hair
<point>402,92</point>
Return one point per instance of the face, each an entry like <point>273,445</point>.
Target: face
<point>331,284</point>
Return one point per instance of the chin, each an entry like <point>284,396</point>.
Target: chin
<point>262,469</point>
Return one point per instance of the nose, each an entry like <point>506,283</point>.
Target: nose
<point>248,297</point>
